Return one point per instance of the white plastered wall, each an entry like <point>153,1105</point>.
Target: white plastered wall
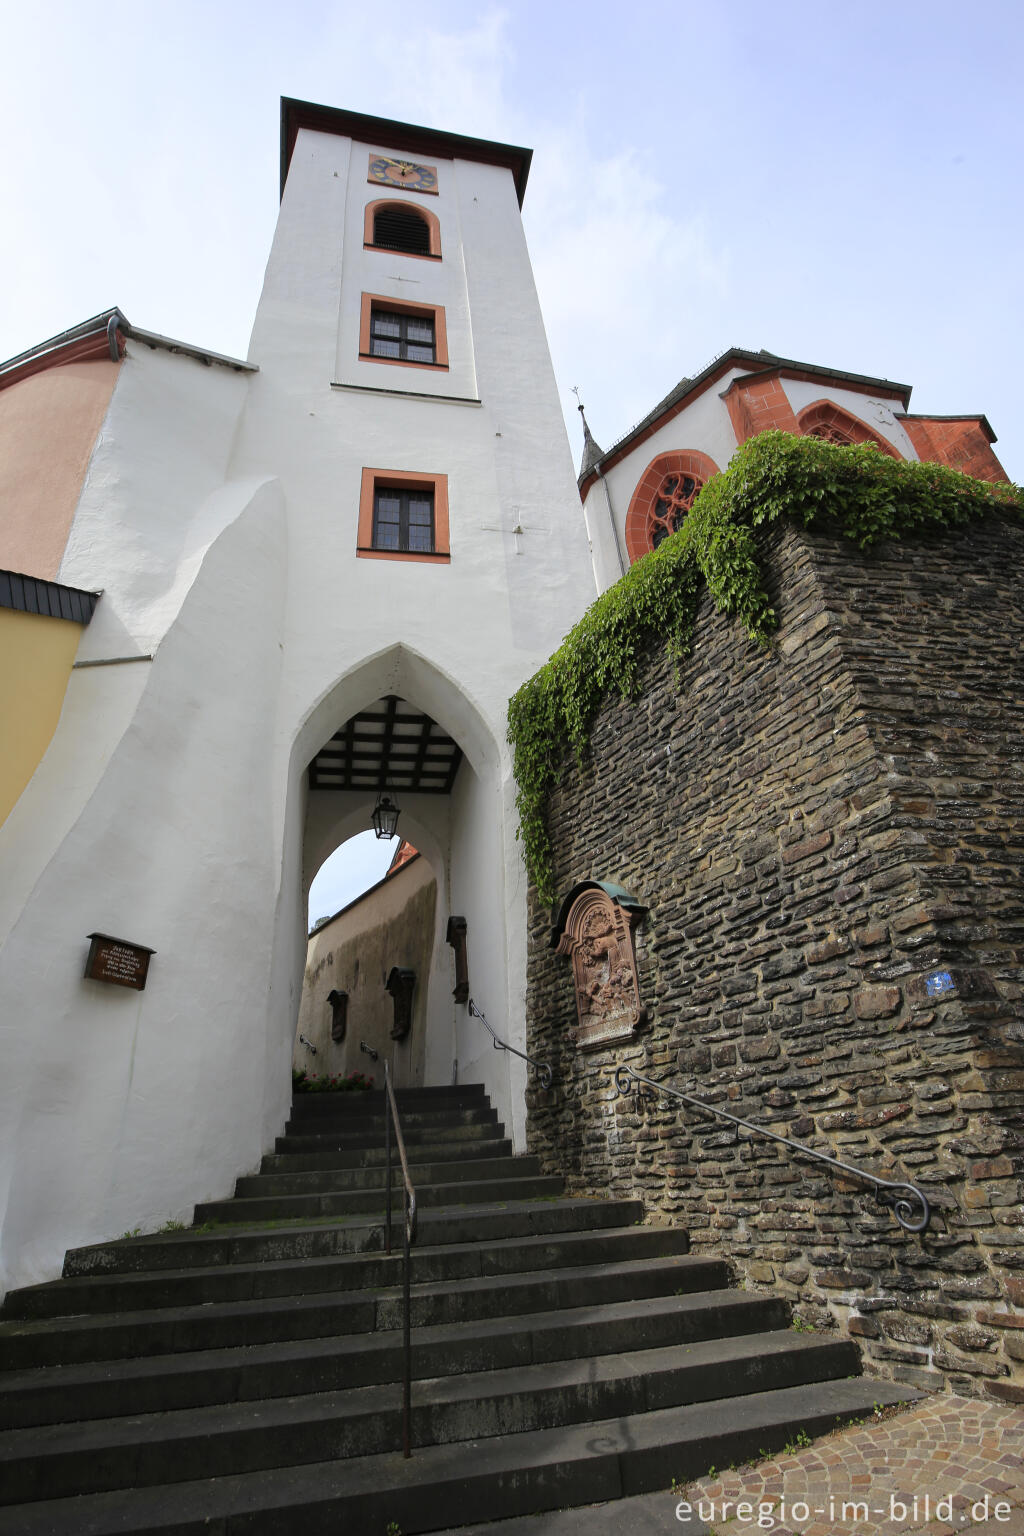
<point>706,427</point>
<point>455,640</point>
<point>875,413</point>
<point>120,1107</point>
<point>703,426</point>
<point>153,500</point>
<point>607,548</point>
<point>410,280</point>
<point>219,517</point>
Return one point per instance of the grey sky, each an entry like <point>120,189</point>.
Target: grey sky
<point>839,186</point>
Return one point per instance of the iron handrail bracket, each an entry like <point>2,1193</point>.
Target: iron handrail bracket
<point>543,1067</point>
<point>408,1236</point>
<point>901,1198</point>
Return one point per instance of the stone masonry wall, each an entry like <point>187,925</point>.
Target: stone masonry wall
<point>816,830</point>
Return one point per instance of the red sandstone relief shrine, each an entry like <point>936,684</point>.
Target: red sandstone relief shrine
<point>596,930</point>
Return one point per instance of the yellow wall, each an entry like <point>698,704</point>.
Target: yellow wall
<point>35,663</point>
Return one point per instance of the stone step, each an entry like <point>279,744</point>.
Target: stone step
<point>226,1439</point>
<point>174,1330</point>
<point>250,1209</point>
<point>492,1148</point>
<point>503,1475</point>
<point>370,1124</point>
<point>468,1223</point>
<point>157,1383</point>
<point>129,1292</point>
<point>644,1514</point>
<point>371,1101</point>
<point>330,1137</point>
<point>337,1180</point>
<point>243,1376</point>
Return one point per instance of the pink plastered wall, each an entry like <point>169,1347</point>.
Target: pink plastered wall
<point>49,422</point>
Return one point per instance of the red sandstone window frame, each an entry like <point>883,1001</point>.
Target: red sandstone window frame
<point>380,301</point>
<point>403,480</point>
<point>826,413</point>
<point>640,515</point>
<point>429,218</point>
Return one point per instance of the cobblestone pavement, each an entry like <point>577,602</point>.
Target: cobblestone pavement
<point>965,1457</point>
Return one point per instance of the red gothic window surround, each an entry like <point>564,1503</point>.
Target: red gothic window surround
<point>676,496</point>
<point>664,495</point>
<point>828,421</point>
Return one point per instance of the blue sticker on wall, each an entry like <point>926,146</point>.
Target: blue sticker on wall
<point>938,982</point>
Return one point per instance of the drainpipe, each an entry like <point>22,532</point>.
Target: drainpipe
<point>117,322</point>
<point>611,516</point>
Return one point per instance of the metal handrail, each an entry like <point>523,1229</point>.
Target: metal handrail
<point>543,1067</point>
<point>901,1198</point>
<point>409,1236</point>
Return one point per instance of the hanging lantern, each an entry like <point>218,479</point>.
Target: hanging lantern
<point>385,815</point>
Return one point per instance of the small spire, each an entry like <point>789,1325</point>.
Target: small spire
<point>592,454</point>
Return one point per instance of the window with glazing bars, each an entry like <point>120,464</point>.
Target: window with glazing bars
<point>410,337</point>
<point>403,520</point>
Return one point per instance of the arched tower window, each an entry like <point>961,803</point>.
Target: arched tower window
<point>394,226</point>
<point>665,494</point>
<point>400,229</point>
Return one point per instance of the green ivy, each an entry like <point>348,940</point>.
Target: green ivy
<point>355,1082</point>
<point>861,491</point>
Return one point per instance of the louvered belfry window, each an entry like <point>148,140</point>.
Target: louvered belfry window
<point>409,337</point>
<point>401,229</point>
<point>403,520</point>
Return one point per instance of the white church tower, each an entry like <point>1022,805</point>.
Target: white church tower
<point>323,572</point>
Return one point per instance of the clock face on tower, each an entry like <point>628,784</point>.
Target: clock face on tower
<point>403,173</point>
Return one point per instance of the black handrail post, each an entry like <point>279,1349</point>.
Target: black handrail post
<point>542,1067</point>
<point>387,1164</point>
<point>406,1338</point>
<point>408,1234</point>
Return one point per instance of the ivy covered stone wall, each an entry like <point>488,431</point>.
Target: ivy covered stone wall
<point>816,828</point>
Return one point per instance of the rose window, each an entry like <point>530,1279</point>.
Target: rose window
<point>675,498</point>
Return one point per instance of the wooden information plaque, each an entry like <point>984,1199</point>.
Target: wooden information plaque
<point>118,961</point>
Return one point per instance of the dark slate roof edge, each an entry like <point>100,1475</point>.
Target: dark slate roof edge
<point>386,131</point>
<point>755,362</point>
<point>97,326</point>
<point>978,416</point>
<point>51,599</point>
<point>94,326</point>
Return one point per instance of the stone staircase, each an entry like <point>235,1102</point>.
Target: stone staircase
<point>244,1375</point>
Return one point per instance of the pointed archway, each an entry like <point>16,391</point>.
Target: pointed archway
<point>456,795</point>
